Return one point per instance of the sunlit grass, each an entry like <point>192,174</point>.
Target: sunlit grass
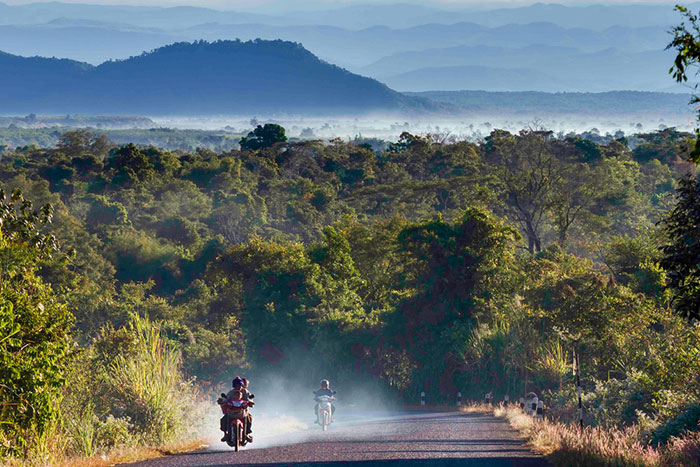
<point>567,445</point>
<point>476,407</point>
<point>152,382</point>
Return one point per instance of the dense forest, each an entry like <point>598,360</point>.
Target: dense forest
<point>436,265</point>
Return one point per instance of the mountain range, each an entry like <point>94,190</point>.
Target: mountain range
<point>409,47</point>
<point>234,78</point>
<point>542,47</point>
<point>616,103</point>
<point>532,68</point>
<point>201,78</point>
<point>358,16</point>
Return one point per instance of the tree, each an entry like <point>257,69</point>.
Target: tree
<point>529,171</point>
<point>263,137</point>
<point>680,256</point>
<point>34,326</point>
<point>130,164</point>
<point>103,213</point>
<point>453,272</point>
<point>686,40</point>
<point>80,142</point>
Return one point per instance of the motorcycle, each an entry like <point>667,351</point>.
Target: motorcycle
<point>237,411</point>
<point>325,411</point>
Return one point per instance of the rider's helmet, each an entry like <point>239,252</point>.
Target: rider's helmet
<point>245,383</point>
<point>238,382</point>
<point>325,384</point>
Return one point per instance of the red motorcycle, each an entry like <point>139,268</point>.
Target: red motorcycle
<point>237,411</point>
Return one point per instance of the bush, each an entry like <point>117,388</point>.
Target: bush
<point>618,402</point>
<point>680,425</point>
<point>34,329</point>
<point>114,433</point>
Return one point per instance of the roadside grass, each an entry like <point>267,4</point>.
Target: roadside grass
<point>152,409</point>
<point>114,456</point>
<point>566,445</point>
<point>134,454</point>
<point>476,407</point>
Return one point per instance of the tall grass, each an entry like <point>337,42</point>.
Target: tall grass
<point>151,385</point>
<point>567,445</point>
<point>137,406</point>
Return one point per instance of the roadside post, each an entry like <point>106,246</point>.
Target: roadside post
<point>577,372</point>
<point>459,399</point>
<point>422,398</point>
<point>540,410</point>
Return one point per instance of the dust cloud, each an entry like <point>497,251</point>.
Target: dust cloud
<point>284,405</point>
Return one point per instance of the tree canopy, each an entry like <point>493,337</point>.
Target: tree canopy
<point>263,137</point>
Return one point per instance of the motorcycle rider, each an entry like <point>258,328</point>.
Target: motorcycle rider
<point>324,391</point>
<point>239,391</point>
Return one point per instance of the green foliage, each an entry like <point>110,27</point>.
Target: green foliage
<point>454,272</point>
<point>80,142</point>
<point>34,326</point>
<point>688,420</point>
<point>680,255</point>
<point>616,402</point>
<point>104,213</point>
<point>263,137</point>
<point>149,384</point>
<point>400,265</point>
<point>127,388</point>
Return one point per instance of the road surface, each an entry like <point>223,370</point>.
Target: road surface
<point>414,439</point>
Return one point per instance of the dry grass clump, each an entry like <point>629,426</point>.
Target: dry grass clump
<point>682,451</point>
<point>475,407</point>
<point>567,445</point>
<point>115,456</point>
<point>129,455</point>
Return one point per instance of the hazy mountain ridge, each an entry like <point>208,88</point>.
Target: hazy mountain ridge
<point>400,15</point>
<point>598,48</point>
<point>356,48</point>
<point>608,103</point>
<point>225,77</point>
<point>493,69</point>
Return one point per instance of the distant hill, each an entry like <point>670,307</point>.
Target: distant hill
<point>201,78</point>
<point>456,78</point>
<point>565,103</point>
<point>532,68</point>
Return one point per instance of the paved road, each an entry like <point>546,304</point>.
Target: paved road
<point>409,439</point>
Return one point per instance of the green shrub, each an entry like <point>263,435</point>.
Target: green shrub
<point>115,432</point>
<point>618,402</point>
<point>34,329</point>
<point>680,425</point>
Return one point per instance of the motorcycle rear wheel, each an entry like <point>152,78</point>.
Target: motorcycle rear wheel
<point>229,437</point>
<point>325,420</point>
